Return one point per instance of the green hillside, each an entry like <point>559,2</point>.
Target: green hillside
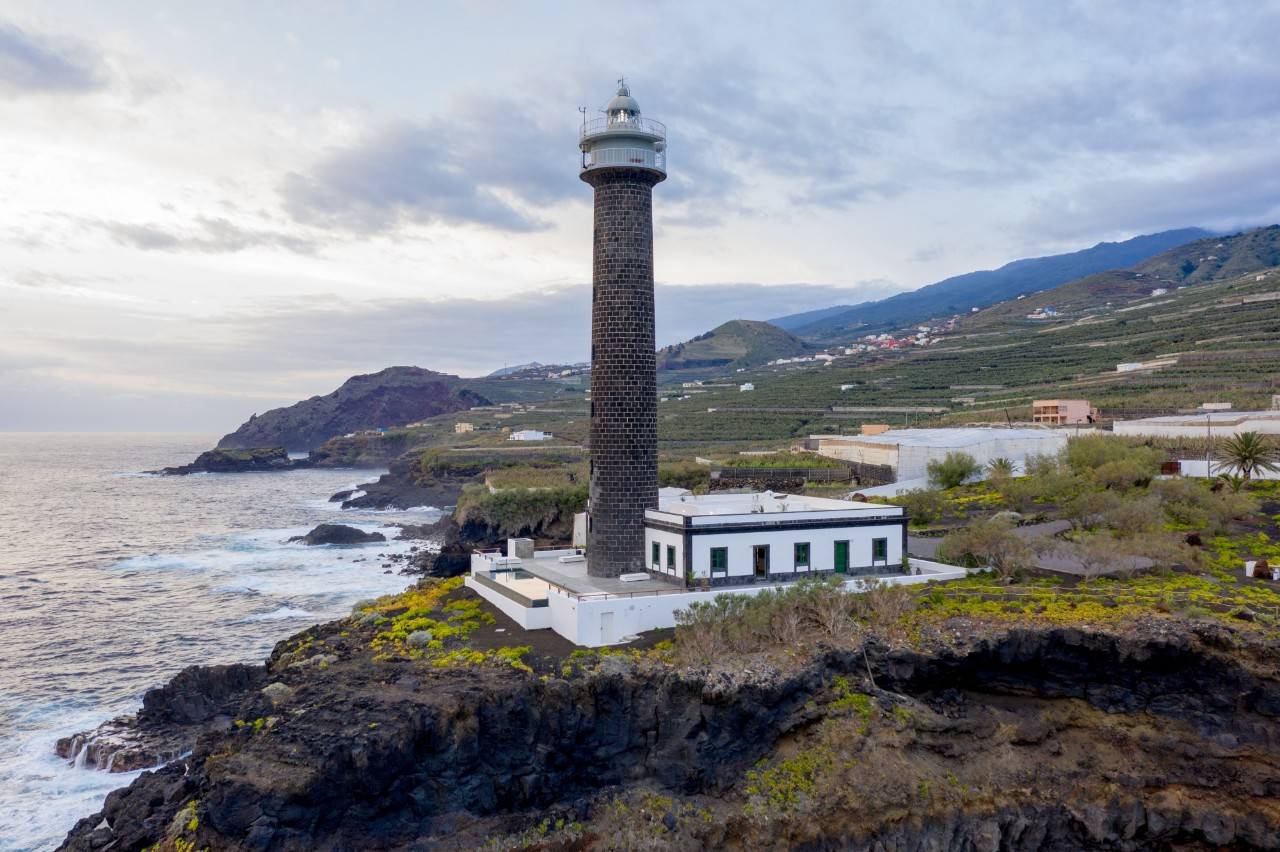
<point>737,343</point>
<point>1217,257</point>
<point>1224,334</point>
<point>1200,262</point>
<point>979,289</point>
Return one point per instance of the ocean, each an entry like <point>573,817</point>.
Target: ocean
<point>112,580</point>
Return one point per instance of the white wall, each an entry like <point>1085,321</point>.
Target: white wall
<point>665,539</point>
<point>914,461</point>
<point>782,548</point>
<point>1197,467</point>
<point>528,617</point>
<point>597,622</point>
<point>1192,429</point>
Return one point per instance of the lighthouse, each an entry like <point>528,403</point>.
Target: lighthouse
<point>623,157</point>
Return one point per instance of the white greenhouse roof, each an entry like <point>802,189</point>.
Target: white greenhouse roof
<point>958,437</point>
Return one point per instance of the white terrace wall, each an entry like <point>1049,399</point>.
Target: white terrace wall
<point>528,617</point>
<point>598,622</point>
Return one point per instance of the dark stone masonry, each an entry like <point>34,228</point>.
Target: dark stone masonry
<point>624,407</point>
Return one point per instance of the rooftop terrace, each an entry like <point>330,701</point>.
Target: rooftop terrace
<point>768,502</point>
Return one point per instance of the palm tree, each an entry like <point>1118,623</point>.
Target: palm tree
<point>1000,467</point>
<point>1233,481</point>
<point>1249,453</point>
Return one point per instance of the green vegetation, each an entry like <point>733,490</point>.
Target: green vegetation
<point>785,460</point>
<point>537,476</point>
<point>1000,468</point>
<point>792,618</point>
<point>521,511</point>
<point>924,506</point>
<point>737,343</point>
<point>787,784</point>
<point>691,475</point>
<point>952,470</point>
<point>1250,453</point>
<point>990,542</point>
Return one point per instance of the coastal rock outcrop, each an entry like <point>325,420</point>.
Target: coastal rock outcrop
<point>340,534</point>
<point>391,397</point>
<point>1039,739</point>
<point>197,699</point>
<point>252,460</point>
<point>404,487</point>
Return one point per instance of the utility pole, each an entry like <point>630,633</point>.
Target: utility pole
<point>1208,447</point>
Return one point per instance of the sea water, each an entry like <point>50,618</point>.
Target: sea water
<point>111,581</point>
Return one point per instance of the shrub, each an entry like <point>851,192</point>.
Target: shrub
<point>1111,461</point>
<point>695,477</point>
<point>993,543</point>
<point>785,460</point>
<point>952,470</point>
<point>1189,504</point>
<point>811,610</point>
<point>1135,515</point>
<point>1090,508</point>
<point>518,511</point>
<point>923,505</point>
<point>1124,474</point>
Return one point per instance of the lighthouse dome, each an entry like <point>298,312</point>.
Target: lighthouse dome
<point>623,103</point>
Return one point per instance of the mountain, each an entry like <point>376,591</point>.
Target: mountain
<point>1204,261</point>
<point>391,397</point>
<point>961,293</point>
<point>737,343</point>
<point>1216,258</point>
<point>800,320</point>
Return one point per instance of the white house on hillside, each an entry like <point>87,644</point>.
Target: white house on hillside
<point>529,435</point>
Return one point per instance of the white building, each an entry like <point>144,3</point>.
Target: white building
<point>737,544</point>
<point>529,435</point>
<point>746,386</point>
<point>732,539</point>
<point>909,451</point>
<point>1216,424</point>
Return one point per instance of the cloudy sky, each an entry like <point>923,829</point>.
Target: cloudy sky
<point>208,209</point>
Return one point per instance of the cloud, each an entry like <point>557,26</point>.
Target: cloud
<point>30,63</point>
<point>489,162</point>
<point>284,352</point>
<point>1239,192</point>
<point>209,236</point>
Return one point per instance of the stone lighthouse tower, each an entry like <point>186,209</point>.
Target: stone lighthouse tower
<point>623,156</point>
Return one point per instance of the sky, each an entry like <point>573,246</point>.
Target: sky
<point>211,209</point>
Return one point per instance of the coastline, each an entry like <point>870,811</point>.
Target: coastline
<point>115,581</point>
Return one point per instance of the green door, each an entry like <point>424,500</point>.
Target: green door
<point>842,557</point>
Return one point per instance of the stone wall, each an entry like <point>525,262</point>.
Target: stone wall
<point>624,411</point>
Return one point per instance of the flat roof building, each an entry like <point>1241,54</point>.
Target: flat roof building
<point>1217,424</point>
<point>699,547</point>
<point>909,451</point>
<point>1062,412</point>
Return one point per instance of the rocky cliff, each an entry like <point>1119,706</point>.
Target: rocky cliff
<point>255,460</point>
<point>1163,736</point>
<point>391,397</point>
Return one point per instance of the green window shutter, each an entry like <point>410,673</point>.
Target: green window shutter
<point>802,554</point>
<point>657,555</point>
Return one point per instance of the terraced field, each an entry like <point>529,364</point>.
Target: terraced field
<point>1225,336</point>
